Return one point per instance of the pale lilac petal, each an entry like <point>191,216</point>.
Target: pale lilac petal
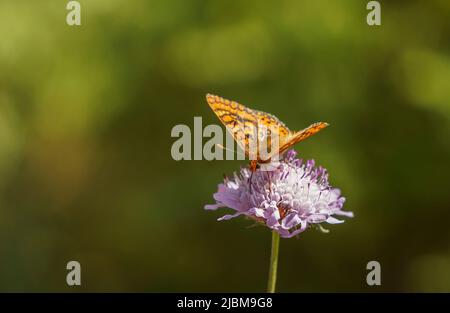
<point>317,218</point>
<point>332,220</point>
<point>290,220</point>
<point>344,213</point>
<point>256,212</point>
<point>229,216</point>
<point>229,199</point>
<point>213,206</point>
<point>297,231</point>
<point>272,222</point>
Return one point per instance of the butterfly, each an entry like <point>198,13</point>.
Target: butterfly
<point>251,127</point>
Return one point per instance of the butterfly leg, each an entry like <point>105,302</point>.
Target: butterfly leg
<point>253,166</point>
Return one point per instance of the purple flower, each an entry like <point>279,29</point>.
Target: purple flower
<point>287,199</point>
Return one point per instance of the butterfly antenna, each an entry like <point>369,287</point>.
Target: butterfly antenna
<point>231,150</point>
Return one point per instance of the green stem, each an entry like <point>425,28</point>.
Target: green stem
<point>273,262</point>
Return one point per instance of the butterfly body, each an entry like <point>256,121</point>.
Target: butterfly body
<point>253,128</point>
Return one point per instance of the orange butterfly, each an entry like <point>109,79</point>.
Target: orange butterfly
<point>249,127</point>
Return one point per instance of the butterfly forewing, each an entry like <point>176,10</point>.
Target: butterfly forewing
<point>234,116</point>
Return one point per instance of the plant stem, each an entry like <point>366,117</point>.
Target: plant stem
<point>273,262</point>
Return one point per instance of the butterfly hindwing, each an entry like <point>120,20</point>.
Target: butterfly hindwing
<point>301,135</point>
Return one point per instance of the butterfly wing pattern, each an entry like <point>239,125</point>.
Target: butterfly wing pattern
<point>234,117</point>
<point>250,128</point>
<point>296,137</point>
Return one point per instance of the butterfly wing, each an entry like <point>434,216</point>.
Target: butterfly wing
<point>301,135</point>
<point>237,119</point>
<point>252,128</point>
<point>270,128</point>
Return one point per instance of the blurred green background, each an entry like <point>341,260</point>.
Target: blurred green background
<point>86,113</point>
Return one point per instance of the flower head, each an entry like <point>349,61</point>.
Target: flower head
<point>287,199</point>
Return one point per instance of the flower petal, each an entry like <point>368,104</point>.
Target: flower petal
<point>272,222</point>
<point>213,206</point>
<point>290,220</point>
<point>344,213</point>
<point>317,218</point>
<point>256,212</point>
<point>332,220</point>
<point>297,231</point>
<point>229,216</point>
